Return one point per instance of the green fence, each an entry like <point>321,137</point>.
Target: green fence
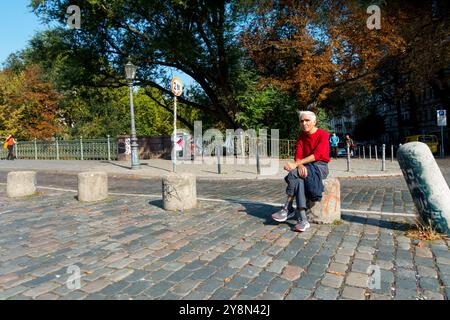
<point>81,149</point>
<point>107,149</point>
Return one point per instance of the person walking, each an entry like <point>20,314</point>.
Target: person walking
<point>334,141</point>
<point>10,142</point>
<point>349,144</point>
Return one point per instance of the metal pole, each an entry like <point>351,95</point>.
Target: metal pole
<point>383,159</point>
<point>442,142</point>
<point>16,149</point>
<point>219,169</point>
<point>376,152</point>
<point>35,149</point>
<point>57,149</point>
<point>289,151</point>
<point>134,145</point>
<point>370,152</point>
<point>174,155</point>
<point>392,153</point>
<point>364,151</point>
<point>109,149</point>
<point>348,159</point>
<point>258,166</point>
<point>81,147</point>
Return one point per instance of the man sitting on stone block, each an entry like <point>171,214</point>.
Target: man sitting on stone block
<point>310,167</point>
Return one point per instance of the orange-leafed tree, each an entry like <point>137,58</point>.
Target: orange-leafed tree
<point>312,48</point>
<point>28,104</point>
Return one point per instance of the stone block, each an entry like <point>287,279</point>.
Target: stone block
<point>328,210</point>
<point>92,186</point>
<point>21,184</point>
<point>179,191</point>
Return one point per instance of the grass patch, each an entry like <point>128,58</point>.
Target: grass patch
<point>424,232</point>
<point>337,222</point>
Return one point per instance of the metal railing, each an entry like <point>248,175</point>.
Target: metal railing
<point>80,149</point>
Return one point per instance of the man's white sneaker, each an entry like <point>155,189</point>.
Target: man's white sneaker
<point>302,226</point>
<point>283,215</point>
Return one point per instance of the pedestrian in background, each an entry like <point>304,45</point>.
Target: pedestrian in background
<point>10,142</point>
<point>349,144</point>
<point>334,140</point>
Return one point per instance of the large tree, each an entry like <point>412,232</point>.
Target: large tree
<point>312,48</point>
<point>195,37</point>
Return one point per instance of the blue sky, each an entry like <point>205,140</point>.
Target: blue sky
<point>17,26</point>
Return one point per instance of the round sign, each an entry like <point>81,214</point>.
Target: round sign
<point>177,86</point>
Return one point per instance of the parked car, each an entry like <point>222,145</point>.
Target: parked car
<point>342,150</point>
<point>430,140</point>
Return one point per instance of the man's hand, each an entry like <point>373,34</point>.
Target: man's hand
<point>290,166</point>
<point>302,171</point>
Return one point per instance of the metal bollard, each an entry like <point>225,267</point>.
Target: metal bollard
<point>258,165</point>
<point>57,148</point>
<point>392,153</point>
<point>219,168</point>
<point>348,159</point>
<point>376,152</point>
<point>383,159</point>
<point>109,149</point>
<point>364,151</point>
<point>370,152</point>
<point>35,149</point>
<point>81,148</point>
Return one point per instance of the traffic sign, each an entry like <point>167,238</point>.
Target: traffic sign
<point>442,118</point>
<point>177,86</point>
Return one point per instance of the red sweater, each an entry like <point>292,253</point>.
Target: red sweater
<point>316,143</point>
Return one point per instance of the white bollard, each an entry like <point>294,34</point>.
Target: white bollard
<point>428,187</point>
<point>21,184</point>
<point>179,191</point>
<point>92,186</point>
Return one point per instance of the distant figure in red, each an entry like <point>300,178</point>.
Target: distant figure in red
<point>10,142</point>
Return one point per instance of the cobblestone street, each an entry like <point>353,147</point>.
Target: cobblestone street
<point>129,248</point>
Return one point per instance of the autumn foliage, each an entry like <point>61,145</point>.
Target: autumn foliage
<point>28,104</point>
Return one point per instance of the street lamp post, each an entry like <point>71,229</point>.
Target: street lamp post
<point>130,71</point>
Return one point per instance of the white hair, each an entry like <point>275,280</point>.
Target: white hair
<point>307,113</point>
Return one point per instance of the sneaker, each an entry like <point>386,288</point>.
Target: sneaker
<point>302,226</point>
<point>283,215</point>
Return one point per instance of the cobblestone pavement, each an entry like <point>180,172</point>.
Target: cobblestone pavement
<point>129,248</point>
<point>376,194</point>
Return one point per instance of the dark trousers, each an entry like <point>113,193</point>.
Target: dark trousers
<point>296,184</point>
<point>10,153</point>
<point>334,152</point>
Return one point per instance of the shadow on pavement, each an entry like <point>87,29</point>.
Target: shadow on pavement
<point>386,224</point>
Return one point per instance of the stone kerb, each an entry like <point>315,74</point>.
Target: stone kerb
<point>179,191</point>
<point>21,184</point>
<point>92,186</point>
<point>328,210</point>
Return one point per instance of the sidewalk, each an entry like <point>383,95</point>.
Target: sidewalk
<point>208,170</point>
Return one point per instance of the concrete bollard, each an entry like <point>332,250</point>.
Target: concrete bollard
<point>179,191</point>
<point>21,184</point>
<point>328,210</point>
<point>92,186</point>
<point>428,187</point>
